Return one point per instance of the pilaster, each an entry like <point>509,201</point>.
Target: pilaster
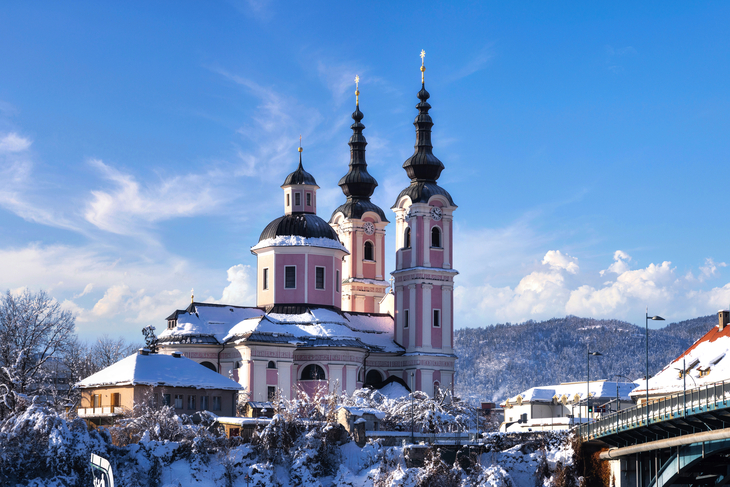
<point>426,316</point>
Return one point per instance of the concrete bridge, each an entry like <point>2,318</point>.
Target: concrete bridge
<point>679,440</point>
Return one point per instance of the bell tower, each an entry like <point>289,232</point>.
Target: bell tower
<point>360,225</point>
<point>424,277</point>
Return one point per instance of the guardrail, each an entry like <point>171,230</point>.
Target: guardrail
<point>686,403</point>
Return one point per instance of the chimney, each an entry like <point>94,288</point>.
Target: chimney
<point>724,317</point>
<point>176,354</point>
<point>143,351</point>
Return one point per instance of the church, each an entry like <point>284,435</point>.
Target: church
<point>326,315</point>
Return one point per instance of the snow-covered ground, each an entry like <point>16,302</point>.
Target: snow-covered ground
<point>39,447</point>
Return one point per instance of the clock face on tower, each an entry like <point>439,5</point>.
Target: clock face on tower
<point>369,228</point>
<point>436,213</point>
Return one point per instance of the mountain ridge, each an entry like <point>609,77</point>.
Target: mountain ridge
<point>498,361</point>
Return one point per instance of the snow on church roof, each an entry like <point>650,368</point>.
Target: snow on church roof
<point>202,321</point>
<point>328,326</point>
<point>159,370</point>
<point>709,356</point>
<point>209,319</point>
<point>598,389</point>
<point>297,241</point>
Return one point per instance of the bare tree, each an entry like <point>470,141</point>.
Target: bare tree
<point>107,351</point>
<point>33,328</point>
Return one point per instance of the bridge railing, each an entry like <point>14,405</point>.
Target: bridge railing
<point>709,396</point>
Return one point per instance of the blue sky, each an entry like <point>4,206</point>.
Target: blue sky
<point>142,146</point>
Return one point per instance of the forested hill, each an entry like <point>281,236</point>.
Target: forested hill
<point>502,360</point>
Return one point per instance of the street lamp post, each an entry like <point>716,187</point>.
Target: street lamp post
<point>655,318</point>
<point>588,385</point>
<point>618,401</point>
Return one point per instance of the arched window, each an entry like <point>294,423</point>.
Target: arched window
<point>373,378</point>
<point>313,372</point>
<point>368,250</point>
<point>209,365</point>
<point>407,239</point>
<point>435,237</point>
<point>272,365</point>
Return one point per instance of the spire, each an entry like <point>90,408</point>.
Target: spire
<point>357,183</point>
<point>423,165</point>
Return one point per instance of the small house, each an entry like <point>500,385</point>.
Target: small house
<point>258,409</point>
<point>158,380</point>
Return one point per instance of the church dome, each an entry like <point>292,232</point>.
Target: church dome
<point>304,225</point>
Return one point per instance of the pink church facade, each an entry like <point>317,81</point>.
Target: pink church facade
<point>326,315</point>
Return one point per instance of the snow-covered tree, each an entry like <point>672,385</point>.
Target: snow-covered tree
<point>33,328</point>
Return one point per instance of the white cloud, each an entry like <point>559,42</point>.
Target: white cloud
<point>129,208</point>
<point>557,260</point>
<point>710,269</point>
<point>241,290</point>
<point>560,290</point>
<point>13,142</point>
<point>620,264</point>
<point>86,291</point>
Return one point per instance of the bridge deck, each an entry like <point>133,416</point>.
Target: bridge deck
<point>701,409</point>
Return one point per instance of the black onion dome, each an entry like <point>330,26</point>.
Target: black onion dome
<point>355,208</point>
<point>301,225</point>
<point>422,191</point>
<point>357,183</point>
<point>300,176</point>
<point>423,165</point>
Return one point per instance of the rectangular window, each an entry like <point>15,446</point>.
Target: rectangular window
<point>309,199</point>
<point>337,281</point>
<point>96,401</point>
<point>265,279</point>
<point>191,402</point>
<point>287,201</point>
<point>297,199</point>
<point>166,400</point>
<point>406,321</point>
<point>272,393</point>
<point>319,277</point>
<point>116,399</point>
<point>216,403</point>
<point>290,273</point>
<point>436,318</point>
<point>178,401</point>
<point>204,403</point>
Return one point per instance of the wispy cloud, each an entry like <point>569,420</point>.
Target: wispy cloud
<point>130,207</point>
<point>477,62</point>
<point>272,134</point>
<point>18,184</point>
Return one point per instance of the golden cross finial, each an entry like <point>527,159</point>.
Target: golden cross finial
<point>192,295</point>
<point>300,144</point>
<point>357,90</point>
<point>423,68</point>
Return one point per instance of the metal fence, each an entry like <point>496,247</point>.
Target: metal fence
<point>686,403</point>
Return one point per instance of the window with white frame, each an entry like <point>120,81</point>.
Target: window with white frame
<point>436,237</point>
<point>297,199</point>
<point>406,320</point>
<point>290,277</point>
<point>337,281</point>
<point>368,250</point>
<point>265,278</point>
<point>436,318</point>
<point>309,199</point>
<point>319,277</point>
